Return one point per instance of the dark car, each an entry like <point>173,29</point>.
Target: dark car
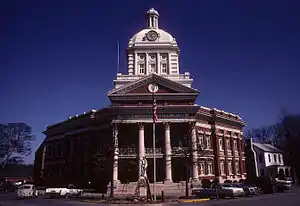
<point>7,187</point>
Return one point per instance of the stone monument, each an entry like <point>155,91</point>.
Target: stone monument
<point>142,190</point>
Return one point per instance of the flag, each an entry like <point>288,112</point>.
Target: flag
<point>154,111</point>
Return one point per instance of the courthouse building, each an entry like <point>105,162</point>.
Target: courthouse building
<point>76,150</point>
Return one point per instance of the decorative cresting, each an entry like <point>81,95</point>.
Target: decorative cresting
<point>142,190</point>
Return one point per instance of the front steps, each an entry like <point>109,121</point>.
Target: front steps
<point>170,189</point>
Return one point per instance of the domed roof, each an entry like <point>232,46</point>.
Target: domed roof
<point>152,35</point>
<point>163,36</point>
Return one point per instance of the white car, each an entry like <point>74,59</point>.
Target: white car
<point>218,190</point>
<point>68,191</point>
<point>27,191</point>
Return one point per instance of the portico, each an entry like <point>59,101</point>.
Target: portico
<point>128,152</point>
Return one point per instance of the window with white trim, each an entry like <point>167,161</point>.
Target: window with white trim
<point>209,168</point>
<point>152,68</point>
<point>229,167</point>
<point>202,168</point>
<point>164,68</point>
<point>280,158</point>
<point>221,143</point>
<point>235,145</point>
<point>207,142</point>
<point>237,167</point>
<point>200,139</point>
<point>228,144</point>
<point>141,68</point>
<point>222,165</point>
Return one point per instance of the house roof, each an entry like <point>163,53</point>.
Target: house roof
<point>267,147</point>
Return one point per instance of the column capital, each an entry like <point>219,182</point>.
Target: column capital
<point>141,125</point>
<point>192,124</point>
<point>167,125</point>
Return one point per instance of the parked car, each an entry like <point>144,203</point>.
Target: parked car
<point>218,190</point>
<point>27,191</point>
<point>248,189</point>
<point>69,191</point>
<point>281,185</point>
<point>8,187</point>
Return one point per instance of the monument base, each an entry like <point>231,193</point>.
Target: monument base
<point>142,191</point>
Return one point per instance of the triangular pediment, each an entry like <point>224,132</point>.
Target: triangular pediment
<point>165,86</point>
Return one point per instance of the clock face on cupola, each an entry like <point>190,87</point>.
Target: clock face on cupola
<point>152,35</point>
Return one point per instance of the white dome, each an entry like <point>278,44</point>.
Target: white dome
<point>163,37</point>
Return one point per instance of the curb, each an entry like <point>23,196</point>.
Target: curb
<point>195,200</point>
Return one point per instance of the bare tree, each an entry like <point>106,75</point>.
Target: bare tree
<point>15,142</point>
<point>105,158</point>
<point>289,137</point>
<point>265,134</point>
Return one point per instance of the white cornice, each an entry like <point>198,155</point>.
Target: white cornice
<point>229,129</point>
<point>198,124</point>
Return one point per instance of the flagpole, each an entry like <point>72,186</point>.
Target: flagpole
<point>154,154</point>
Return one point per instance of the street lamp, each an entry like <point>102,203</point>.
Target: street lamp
<point>153,88</point>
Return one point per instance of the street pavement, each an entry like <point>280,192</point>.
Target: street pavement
<point>10,199</point>
<point>290,198</point>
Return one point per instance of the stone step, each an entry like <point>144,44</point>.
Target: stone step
<point>173,188</point>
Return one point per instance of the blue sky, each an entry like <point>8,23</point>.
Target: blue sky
<point>58,57</point>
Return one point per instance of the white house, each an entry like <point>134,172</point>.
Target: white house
<point>265,160</point>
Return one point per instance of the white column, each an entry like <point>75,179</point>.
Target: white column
<point>168,154</point>
<point>116,153</point>
<point>141,145</point>
<point>194,152</point>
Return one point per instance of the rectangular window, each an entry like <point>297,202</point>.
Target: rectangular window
<point>208,142</point>
<point>209,167</point>
<point>269,156</point>
<point>164,69</point>
<point>221,144</point>
<point>228,144</point>
<point>229,167</point>
<point>202,169</point>
<point>235,145</point>
<point>260,158</point>
<point>200,140</point>
<point>152,68</point>
<point>222,167</point>
<point>142,69</point>
<point>275,158</point>
<point>237,167</point>
<point>280,158</point>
